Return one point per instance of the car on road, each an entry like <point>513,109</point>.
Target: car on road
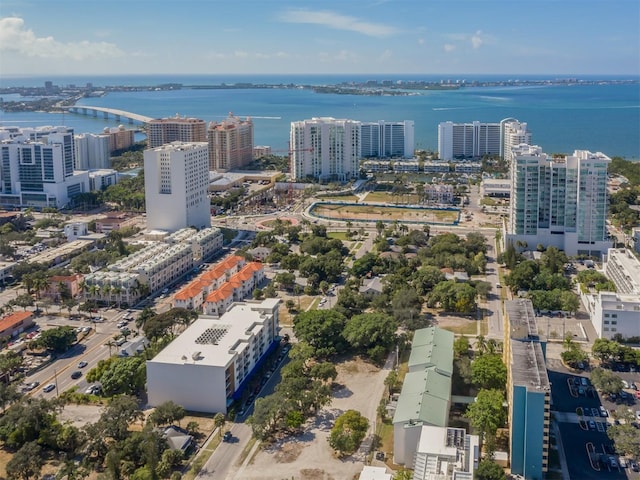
<point>77,374</point>
<point>30,386</point>
<point>82,364</point>
<point>93,390</point>
<point>48,388</point>
<point>227,436</point>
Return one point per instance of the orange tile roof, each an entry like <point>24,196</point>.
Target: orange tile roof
<point>11,320</point>
<point>190,291</point>
<point>222,293</point>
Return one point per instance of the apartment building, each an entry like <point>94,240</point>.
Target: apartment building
<point>161,131</point>
<point>387,139</point>
<point>237,288</point>
<point>512,134</point>
<point>119,138</point>
<point>457,141</point>
<point>92,151</point>
<point>101,179</point>
<point>176,178</point>
<point>439,193</point>
<point>528,391</point>
<point>37,167</point>
<point>559,201</point>
<point>446,453</point>
<point>425,398</point>
<point>207,367</point>
<point>149,270</point>
<point>230,143</point>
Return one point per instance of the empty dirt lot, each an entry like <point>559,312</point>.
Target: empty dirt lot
<point>308,456</point>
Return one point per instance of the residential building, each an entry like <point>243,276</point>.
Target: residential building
<point>230,143</point>
<point>372,166</point>
<point>438,192</point>
<point>374,473</point>
<point>325,149</point>
<point>74,230</point>
<point>92,151</point>
<point>36,167</point>
<point>176,177</point>
<point>114,221</point>
<point>406,166</point>
<point>559,201</point>
<point>59,283</point>
<point>161,131</point>
<point>238,287</point>
<point>446,453</point>
<point>14,324</point>
<point>6,270</point>
<point>149,270</point>
<point>436,167</point>
<point>387,139</point>
<point>615,314</point>
<point>425,398</point>
<point>467,167</point>
<point>120,138</point>
<point>512,134</point>
<point>260,151</point>
<point>207,367</point>
<point>101,179</point>
<point>528,391</point>
<point>457,141</point>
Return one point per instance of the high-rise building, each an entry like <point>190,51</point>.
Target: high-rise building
<point>92,151</point>
<point>176,178</point>
<point>528,391</point>
<point>176,129</point>
<point>387,139</point>
<point>457,141</point>
<point>512,134</point>
<point>325,149</point>
<point>119,137</point>
<point>559,201</point>
<point>36,167</point>
<point>230,143</point>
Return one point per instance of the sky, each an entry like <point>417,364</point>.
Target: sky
<point>115,37</point>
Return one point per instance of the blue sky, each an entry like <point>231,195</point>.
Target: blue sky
<point>64,37</point>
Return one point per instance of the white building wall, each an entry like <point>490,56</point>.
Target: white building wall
<point>92,151</point>
<point>200,388</point>
<point>176,182</point>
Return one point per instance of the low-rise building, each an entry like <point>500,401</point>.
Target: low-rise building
<point>114,221</point>
<point>446,454</point>
<point>102,178</point>
<point>496,187</point>
<point>425,398</point>
<point>206,368</point>
<point>14,324</point>
<point>59,283</point>
<point>74,230</point>
<point>439,193</point>
<point>237,288</point>
<point>374,473</point>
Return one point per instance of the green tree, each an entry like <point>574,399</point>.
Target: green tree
<point>487,413</point>
<point>219,421</point>
<point>369,330</point>
<point>26,463</point>
<point>8,363</point>
<point>124,376</point>
<point>166,414</point>
<point>606,381</point>
<point>322,330</point>
<point>119,414</point>
<point>23,300</point>
<point>489,372</point>
<point>461,347</point>
<point>347,433</point>
<point>58,339</point>
<point>489,470</point>
<point>626,439</point>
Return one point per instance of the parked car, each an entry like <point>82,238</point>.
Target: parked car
<point>603,412</point>
<point>592,425</point>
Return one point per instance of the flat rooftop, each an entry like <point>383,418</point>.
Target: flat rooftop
<point>528,367</point>
<point>522,319</point>
<point>214,341</point>
<point>626,261</point>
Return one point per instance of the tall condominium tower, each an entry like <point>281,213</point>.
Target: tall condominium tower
<point>176,178</point>
<point>512,134</point>
<point>559,201</point>
<point>457,141</point>
<point>36,167</point>
<point>387,139</point>
<point>92,151</point>
<point>230,143</point>
<point>119,137</point>
<point>325,149</point>
<point>176,129</point>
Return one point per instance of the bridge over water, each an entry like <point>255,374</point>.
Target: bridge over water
<point>106,112</point>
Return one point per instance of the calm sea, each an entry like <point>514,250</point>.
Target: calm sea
<point>562,118</point>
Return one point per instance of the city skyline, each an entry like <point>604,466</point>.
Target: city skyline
<point>376,36</point>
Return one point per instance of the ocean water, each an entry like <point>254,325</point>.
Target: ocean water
<point>562,118</point>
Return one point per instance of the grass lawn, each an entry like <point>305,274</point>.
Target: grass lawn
<point>463,327</point>
<point>384,197</point>
<point>385,213</point>
<point>385,432</point>
<point>339,235</point>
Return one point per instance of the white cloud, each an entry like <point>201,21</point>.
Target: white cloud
<point>477,39</point>
<point>421,41</point>
<point>386,55</point>
<point>337,22</point>
<point>14,37</point>
<point>448,47</point>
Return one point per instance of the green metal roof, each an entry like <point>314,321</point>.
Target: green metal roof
<point>424,398</point>
<point>432,347</point>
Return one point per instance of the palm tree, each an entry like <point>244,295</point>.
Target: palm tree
<point>41,283</point>
<point>27,281</point>
<point>481,344</point>
<point>219,421</point>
